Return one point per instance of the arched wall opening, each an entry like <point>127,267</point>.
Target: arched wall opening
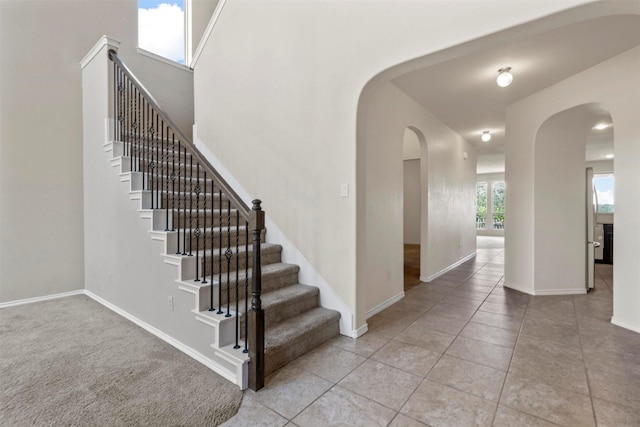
<point>560,201</point>
<point>523,120</point>
<point>519,245</point>
<point>448,174</point>
<point>415,203</point>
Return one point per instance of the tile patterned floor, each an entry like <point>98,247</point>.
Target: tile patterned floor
<point>464,351</point>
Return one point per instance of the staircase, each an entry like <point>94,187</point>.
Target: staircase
<point>207,235</point>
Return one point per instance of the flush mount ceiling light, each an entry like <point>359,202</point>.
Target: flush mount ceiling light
<point>504,77</point>
<point>609,156</point>
<point>601,126</point>
<point>486,136</point>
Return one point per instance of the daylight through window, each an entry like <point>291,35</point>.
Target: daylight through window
<point>161,28</point>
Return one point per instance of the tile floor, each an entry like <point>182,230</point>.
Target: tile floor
<point>464,351</point>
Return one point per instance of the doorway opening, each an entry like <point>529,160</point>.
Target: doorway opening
<point>412,207</point>
<point>567,144</point>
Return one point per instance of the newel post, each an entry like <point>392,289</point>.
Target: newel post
<point>256,315</point>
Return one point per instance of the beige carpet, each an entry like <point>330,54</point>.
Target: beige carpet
<point>72,362</point>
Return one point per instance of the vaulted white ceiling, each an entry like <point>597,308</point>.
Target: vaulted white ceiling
<point>463,93</point>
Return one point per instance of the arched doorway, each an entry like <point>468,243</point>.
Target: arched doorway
<point>414,203</point>
<point>561,217</point>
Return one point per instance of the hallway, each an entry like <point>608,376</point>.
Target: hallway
<point>462,350</point>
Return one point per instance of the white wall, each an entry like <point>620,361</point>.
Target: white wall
<point>601,166</point>
<point>283,99</point>
<point>410,145</point>
<point>619,95</point>
<point>41,202</point>
<point>411,201</point>
<point>560,202</point>
<point>448,184</point>
<point>201,12</point>
<point>41,244</point>
<point>490,178</point>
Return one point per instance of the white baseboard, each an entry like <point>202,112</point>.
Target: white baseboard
<point>626,325</point>
<point>40,299</point>
<point>360,331</point>
<point>543,292</point>
<point>444,270</point>
<point>168,339</point>
<point>517,287</point>
<point>378,308</point>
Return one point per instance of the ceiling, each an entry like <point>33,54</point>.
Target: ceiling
<point>463,93</point>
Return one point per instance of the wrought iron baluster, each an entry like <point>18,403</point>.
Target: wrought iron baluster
<point>126,112</point>
<point>146,146</point>
<point>220,251</point>
<point>152,153</point>
<point>204,231</point>
<point>179,175</point>
<point>173,185</point>
<point>191,206</point>
<point>138,130</point>
<point>228,254</point>
<point>184,206</point>
<point>161,170</point>
<point>246,287</point>
<point>211,306</point>
<point>197,231</point>
<point>158,164</point>
<point>166,177</point>
<point>115,103</point>
<point>237,280</point>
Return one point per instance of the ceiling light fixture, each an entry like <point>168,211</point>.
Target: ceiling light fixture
<point>504,77</point>
<point>601,126</point>
<point>486,136</point>
<point>609,156</point>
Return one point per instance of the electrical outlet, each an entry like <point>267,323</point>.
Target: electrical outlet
<point>170,303</point>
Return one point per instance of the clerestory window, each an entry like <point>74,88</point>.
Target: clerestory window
<point>161,28</point>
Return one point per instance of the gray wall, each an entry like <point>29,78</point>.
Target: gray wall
<point>411,202</point>
<point>41,201</point>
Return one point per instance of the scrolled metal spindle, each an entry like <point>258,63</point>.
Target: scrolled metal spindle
<point>197,230</point>
<point>220,251</point>
<point>115,103</point>
<point>184,206</point>
<point>191,207</point>
<point>179,174</point>
<point>204,231</point>
<point>126,114</point>
<point>246,288</point>
<point>228,254</point>
<point>173,186</point>
<point>256,315</point>
<point>237,346</point>
<point>212,253</point>
<point>165,173</point>
<point>138,128</point>
<point>158,161</point>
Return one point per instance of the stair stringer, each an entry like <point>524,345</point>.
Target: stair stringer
<point>216,348</point>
